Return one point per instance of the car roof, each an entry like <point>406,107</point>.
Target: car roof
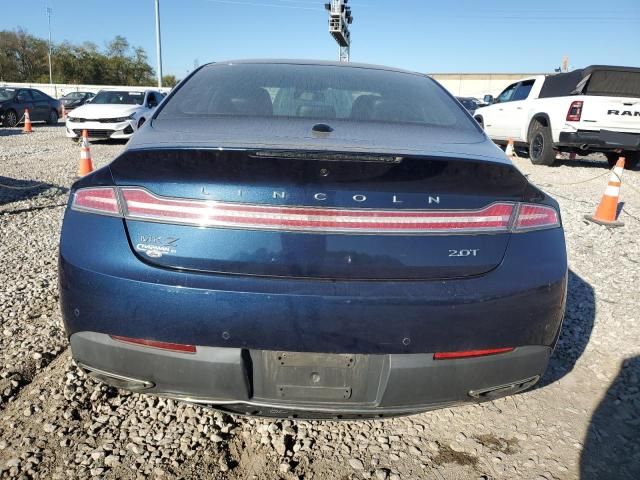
<point>313,62</point>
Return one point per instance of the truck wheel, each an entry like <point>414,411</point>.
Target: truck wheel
<point>631,159</point>
<point>541,150</point>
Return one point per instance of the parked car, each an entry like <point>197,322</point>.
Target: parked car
<point>14,102</point>
<point>312,240</point>
<point>469,103</point>
<point>113,114</point>
<point>76,99</point>
<point>594,109</point>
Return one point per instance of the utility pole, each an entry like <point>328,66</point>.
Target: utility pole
<point>339,20</point>
<point>158,45</point>
<point>50,70</point>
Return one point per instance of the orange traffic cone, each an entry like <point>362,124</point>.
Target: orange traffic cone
<point>27,122</point>
<point>608,208</point>
<point>86,165</point>
<point>509,151</point>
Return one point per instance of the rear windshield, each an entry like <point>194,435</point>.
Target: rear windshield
<point>614,83</point>
<point>322,92</point>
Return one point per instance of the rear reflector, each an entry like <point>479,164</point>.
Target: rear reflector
<point>470,353</point>
<point>143,205</point>
<point>97,200</point>
<point>535,217</point>
<point>174,347</point>
<point>140,204</point>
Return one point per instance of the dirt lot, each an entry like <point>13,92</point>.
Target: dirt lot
<point>583,420</point>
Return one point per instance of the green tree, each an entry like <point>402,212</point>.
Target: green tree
<point>23,58</point>
<point>169,81</point>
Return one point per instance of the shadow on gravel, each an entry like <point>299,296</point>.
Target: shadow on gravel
<point>7,132</point>
<point>576,330</point>
<point>12,190</point>
<point>584,163</point>
<point>612,445</point>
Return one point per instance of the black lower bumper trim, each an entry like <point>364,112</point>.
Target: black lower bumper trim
<point>601,140</point>
<point>237,381</point>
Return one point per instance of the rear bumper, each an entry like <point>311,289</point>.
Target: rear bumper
<point>601,140</point>
<point>233,379</point>
<point>234,320</point>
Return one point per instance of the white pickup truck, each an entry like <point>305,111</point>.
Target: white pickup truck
<point>594,109</point>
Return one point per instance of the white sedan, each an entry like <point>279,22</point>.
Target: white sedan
<point>113,114</point>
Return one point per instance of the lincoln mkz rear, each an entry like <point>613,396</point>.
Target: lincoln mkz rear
<point>312,240</point>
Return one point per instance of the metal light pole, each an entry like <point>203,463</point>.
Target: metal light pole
<point>339,20</point>
<point>50,70</point>
<point>158,44</point>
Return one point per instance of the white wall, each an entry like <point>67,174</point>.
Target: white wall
<point>478,84</point>
<point>459,84</point>
<point>57,90</point>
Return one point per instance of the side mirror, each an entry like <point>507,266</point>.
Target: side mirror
<point>488,99</point>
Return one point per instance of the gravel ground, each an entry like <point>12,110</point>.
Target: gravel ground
<point>583,420</point>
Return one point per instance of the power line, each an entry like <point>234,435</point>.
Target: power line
<point>253,4</point>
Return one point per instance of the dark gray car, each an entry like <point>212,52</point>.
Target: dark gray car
<point>14,102</point>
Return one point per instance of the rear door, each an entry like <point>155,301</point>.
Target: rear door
<point>41,106</point>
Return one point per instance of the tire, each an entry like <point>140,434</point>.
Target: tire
<point>541,150</point>
<point>141,122</point>
<point>631,159</point>
<point>10,119</point>
<point>480,122</point>
<point>53,118</point>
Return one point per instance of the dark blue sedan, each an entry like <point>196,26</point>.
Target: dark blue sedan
<point>312,240</point>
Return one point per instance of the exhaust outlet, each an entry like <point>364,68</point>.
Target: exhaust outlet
<point>491,393</point>
<point>117,381</point>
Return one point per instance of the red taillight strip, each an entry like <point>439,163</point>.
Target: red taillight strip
<point>174,347</point>
<point>470,353</point>
<point>96,199</point>
<point>142,205</point>
<point>536,217</point>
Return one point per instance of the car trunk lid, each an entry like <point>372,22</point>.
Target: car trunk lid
<point>330,215</point>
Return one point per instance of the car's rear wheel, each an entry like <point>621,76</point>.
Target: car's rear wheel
<point>53,118</point>
<point>631,159</point>
<point>541,150</point>
<point>10,119</point>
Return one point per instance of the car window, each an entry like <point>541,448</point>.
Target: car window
<point>522,91</point>
<point>315,91</point>
<point>506,94</point>
<point>38,95</point>
<point>118,97</point>
<point>7,93</point>
<point>24,96</point>
<point>152,101</point>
